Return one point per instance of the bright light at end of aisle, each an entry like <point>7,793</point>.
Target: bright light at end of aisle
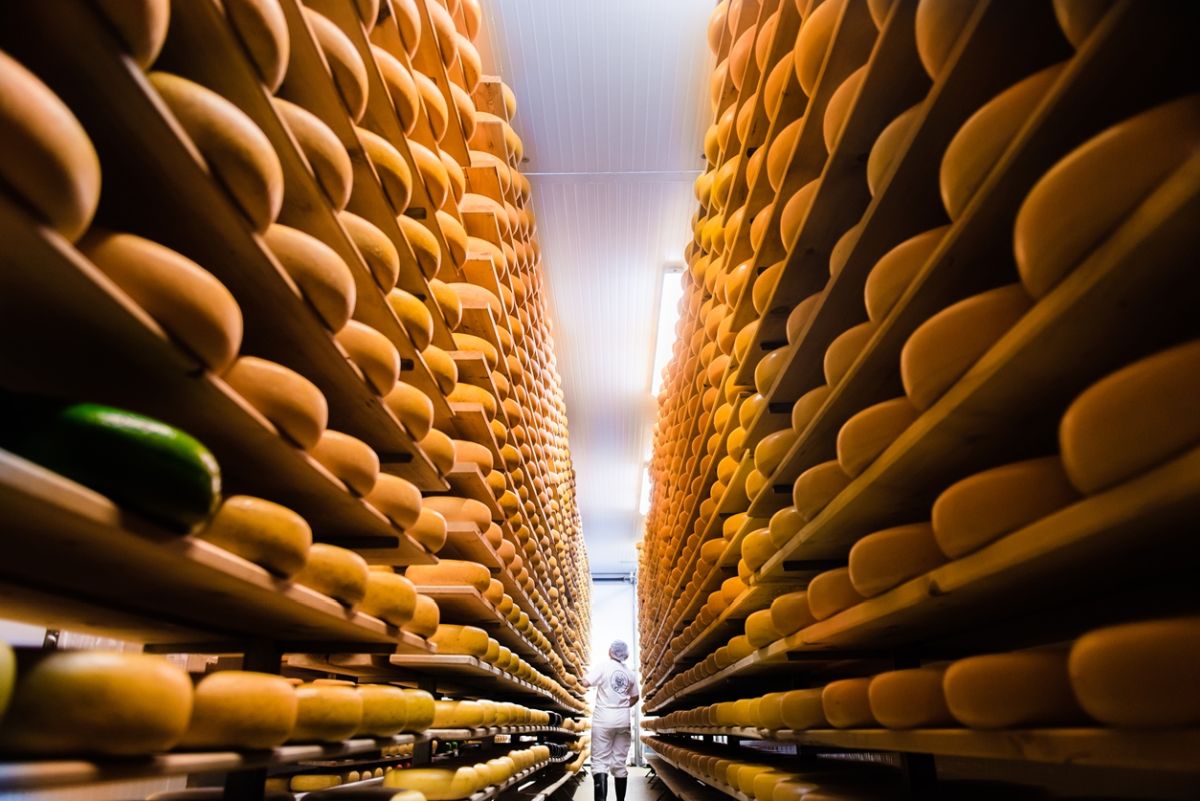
<point>644,504</point>
<point>668,316</point>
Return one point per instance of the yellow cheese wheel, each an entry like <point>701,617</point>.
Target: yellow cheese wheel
<point>450,573</point>
<point>398,499</point>
<point>816,34</point>
<point>984,137</point>
<point>778,80</point>
<point>395,176</point>
<point>472,343</point>
<point>265,533</point>
<point>326,157</point>
<point>432,173</point>
<point>817,486</point>
<point>1115,429</point>
<point>1077,18</point>
<point>868,433</point>
<point>757,547</point>
<point>1075,205</point>
<point>887,148</point>
<point>910,699</point>
<point>767,371</point>
<point>425,619</point>
<point>476,296</point>
<point>351,460</point>
<point>328,711</point>
<point>412,408</point>
<point>141,25</point>
<point>1139,675</point>
<point>390,597</point>
<point>414,317</point>
<point>262,29</point>
<point>843,248</point>
<point>739,648</point>
<point>790,612</point>
<point>891,276</point>
<point>291,402</point>
<point>324,280</point>
<point>796,210</point>
<point>386,710</point>
<point>716,26</point>
<point>1016,690</point>
<point>312,782</point>
<point>939,24</point>
<point>454,639</point>
<point>469,393</point>
<point>764,40</point>
<point>114,703</point>
<point>838,109</point>
<point>449,301</point>
<point>890,557</point>
<point>732,588</point>
<point>435,784</point>
<point>740,55</point>
<point>468,59</point>
<point>801,709</point>
<point>945,346</point>
<point>336,572</point>
<point>807,405</point>
<point>423,243</point>
<point>463,510</point>
<point>845,350</point>
<point>458,178</point>
<point>440,37</point>
<point>784,524</point>
<point>469,452</point>
<point>238,153</point>
<point>344,63</point>
<point>373,353</point>
<point>58,173</point>
<point>236,709</point>
<point>847,705</point>
<point>832,592</point>
<point>440,450</point>
<point>981,508</point>
<point>377,251</point>
<point>771,450</point>
<point>760,630</point>
<point>185,299</point>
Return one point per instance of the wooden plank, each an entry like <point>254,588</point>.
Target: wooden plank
<point>466,605</point>
<point>466,481</point>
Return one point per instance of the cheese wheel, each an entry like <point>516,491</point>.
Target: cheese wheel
<point>805,409</point>
<point>716,26</point>
<point>336,572</point>
<point>832,592</point>
<point>265,533</point>
<point>1083,197</point>
<point>767,371</point>
<point>939,24</point>
<point>412,408</point>
<point>399,500</point>
<point>845,350</point>
<point>1077,18</point>
<point>237,709</point>
<point>434,784</point>
<point>891,276</point>
<point>425,619</point>
<point>1115,429</point>
<point>791,612</point>
<point>377,251</point>
<point>816,487</point>
<point>948,344</point>
<point>885,559</point>
<point>423,243</point>
<point>324,280</point>
<point>238,153</point>
<point>414,317</point>
<point>740,648</point>
<point>327,158</point>
<point>311,782</point>
<point>389,597</point>
<point>838,109</point>
<point>469,393</point>
<point>112,703</point>
<point>843,248</point>
<point>472,343</point>
<point>910,699</point>
<point>764,223</point>
<point>291,402</point>
<point>458,178</point>
<point>386,710</point>
<point>351,460</point>
<point>777,83</point>
<point>784,525</point>
<point>327,711</point>
<point>465,510</point>
<point>816,34</point>
<point>141,26</point>
<point>868,433</point>
<point>477,296</point>
<point>1139,675</point>
<point>847,705</point>
<point>194,307</point>
<point>796,210</point>
<point>758,547</point>
<point>887,146</point>
<point>432,173</point>
<point>449,301</point>
<point>262,29</point>
<point>440,450</point>
<point>771,450</point>
<point>373,353</point>
<point>801,709</point>
<point>453,639</point>
<point>739,56</point>
<point>393,171</point>
<point>1007,691</point>
<point>986,135</point>
<point>450,573</point>
<point>343,61</point>
<point>760,630</point>
<point>779,153</point>
<point>473,453</point>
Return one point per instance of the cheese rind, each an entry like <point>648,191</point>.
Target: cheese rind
<point>838,108</point>
<point>939,23</point>
<point>1016,690</point>
<point>801,709</point>
<point>760,630</point>
<point>389,597</point>
<point>887,148</point>
<point>397,498</point>
<point>423,243</point>
<point>450,572</point>
<point>351,460</point>
<point>140,24</point>
<point>414,316</point>
<point>395,176</point>
<point>328,711</point>
<point>831,592</point>
<point>412,408</point>
<point>326,157</point>
<point>323,278</point>
<point>890,557</point>
<point>1077,18</point>
<point>909,699</point>
<point>891,276</point>
<point>817,486</point>
<point>868,433</point>
<point>265,533</point>
<point>344,63</point>
<point>845,350</point>
<point>847,704</point>
<point>336,572</point>
<point>376,249</point>
<point>425,619</point>
<point>816,34</point>
<point>807,405</point>
<point>236,709</point>
<point>287,399</point>
<point>455,639</point>
<point>373,353</point>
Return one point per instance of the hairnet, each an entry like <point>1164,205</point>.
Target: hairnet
<point>619,650</point>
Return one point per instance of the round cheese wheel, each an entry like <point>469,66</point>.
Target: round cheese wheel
<point>739,56</point>
<point>58,173</point>
<point>843,248</point>
<point>945,346</point>
<point>831,592</point>
<point>760,630</point>
<point>185,299</point>
<point>732,588</point>
<point>377,251</point>
<point>1006,691</point>
<point>1075,205</point>
<point>847,705</point>
<point>838,109</point>
<point>392,170</point>
<point>888,558</point>
<point>106,702</point>
<point>440,450</point>
<point>742,127</point>
<point>399,500</point>
<point>769,368</point>
<point>891,276</point>
<point>463,510</point>
<point>868,433</point>
<point>764,288</point>
<point>771,450</point>
<point>336,572</point>
<point>237,709</point>
<point>805,409</point>
<point>142,26</point>
<point>344,63</point>
<point>449,301</point>
<point>879,10</point>
<point>1115,429</point>
<point>265,533</point>
<point>327,158</point>
<point>1077,18</point>
<point>435,784</point>
<point>389,597</point>
<point>386,710</point>
<point>424,245</point>
<point>784,525</point>
<point>474,453</point>
<point>373,353</point>
<point>455,639</point>
<point>477,296</point>
<point>351,460</point>
<point>716,26</point>
<point>887,146</point>
<point>457,240</point>
<point>327,711</point>
<point>844,351</point>
<point>986,135</point>
<point>432,173</point>
<point>291,402</point>
<point>451,573</point>
<point>817,486</point>
<point>801,709</point>
<point>324,280</point>
<point>764,40</point>
<point>425,619</point>
<point>429,530</point>
<point>238,153</point>
<point>412,408</point>
<point>796,210</point>
<point>939,24</point>
<point>778,82</point>
<point>816,34</point>
<point>910,699</point>
<point>458,178</point>
<point>414,317</point>
<point>468,59</point>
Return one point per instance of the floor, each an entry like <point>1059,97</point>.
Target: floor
<point>638,789</point>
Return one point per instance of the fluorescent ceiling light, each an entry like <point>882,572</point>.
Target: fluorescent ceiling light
<point>668,315</point>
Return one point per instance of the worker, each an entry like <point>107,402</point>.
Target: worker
<point>616,693</point>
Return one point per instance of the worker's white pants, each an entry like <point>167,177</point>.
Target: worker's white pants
<point>610,749</point>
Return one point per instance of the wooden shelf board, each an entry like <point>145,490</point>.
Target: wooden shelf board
<point>466,605</point>
<point>467,481</point>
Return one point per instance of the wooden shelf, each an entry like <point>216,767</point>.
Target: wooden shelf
<point>732,621</point>
<point>466,605</point>
<point>467,481</point>
<point>681,783</point>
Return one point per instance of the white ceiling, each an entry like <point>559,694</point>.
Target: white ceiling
<point>611,105</point>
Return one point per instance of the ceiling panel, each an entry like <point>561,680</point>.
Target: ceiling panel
<point>611,108</point>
